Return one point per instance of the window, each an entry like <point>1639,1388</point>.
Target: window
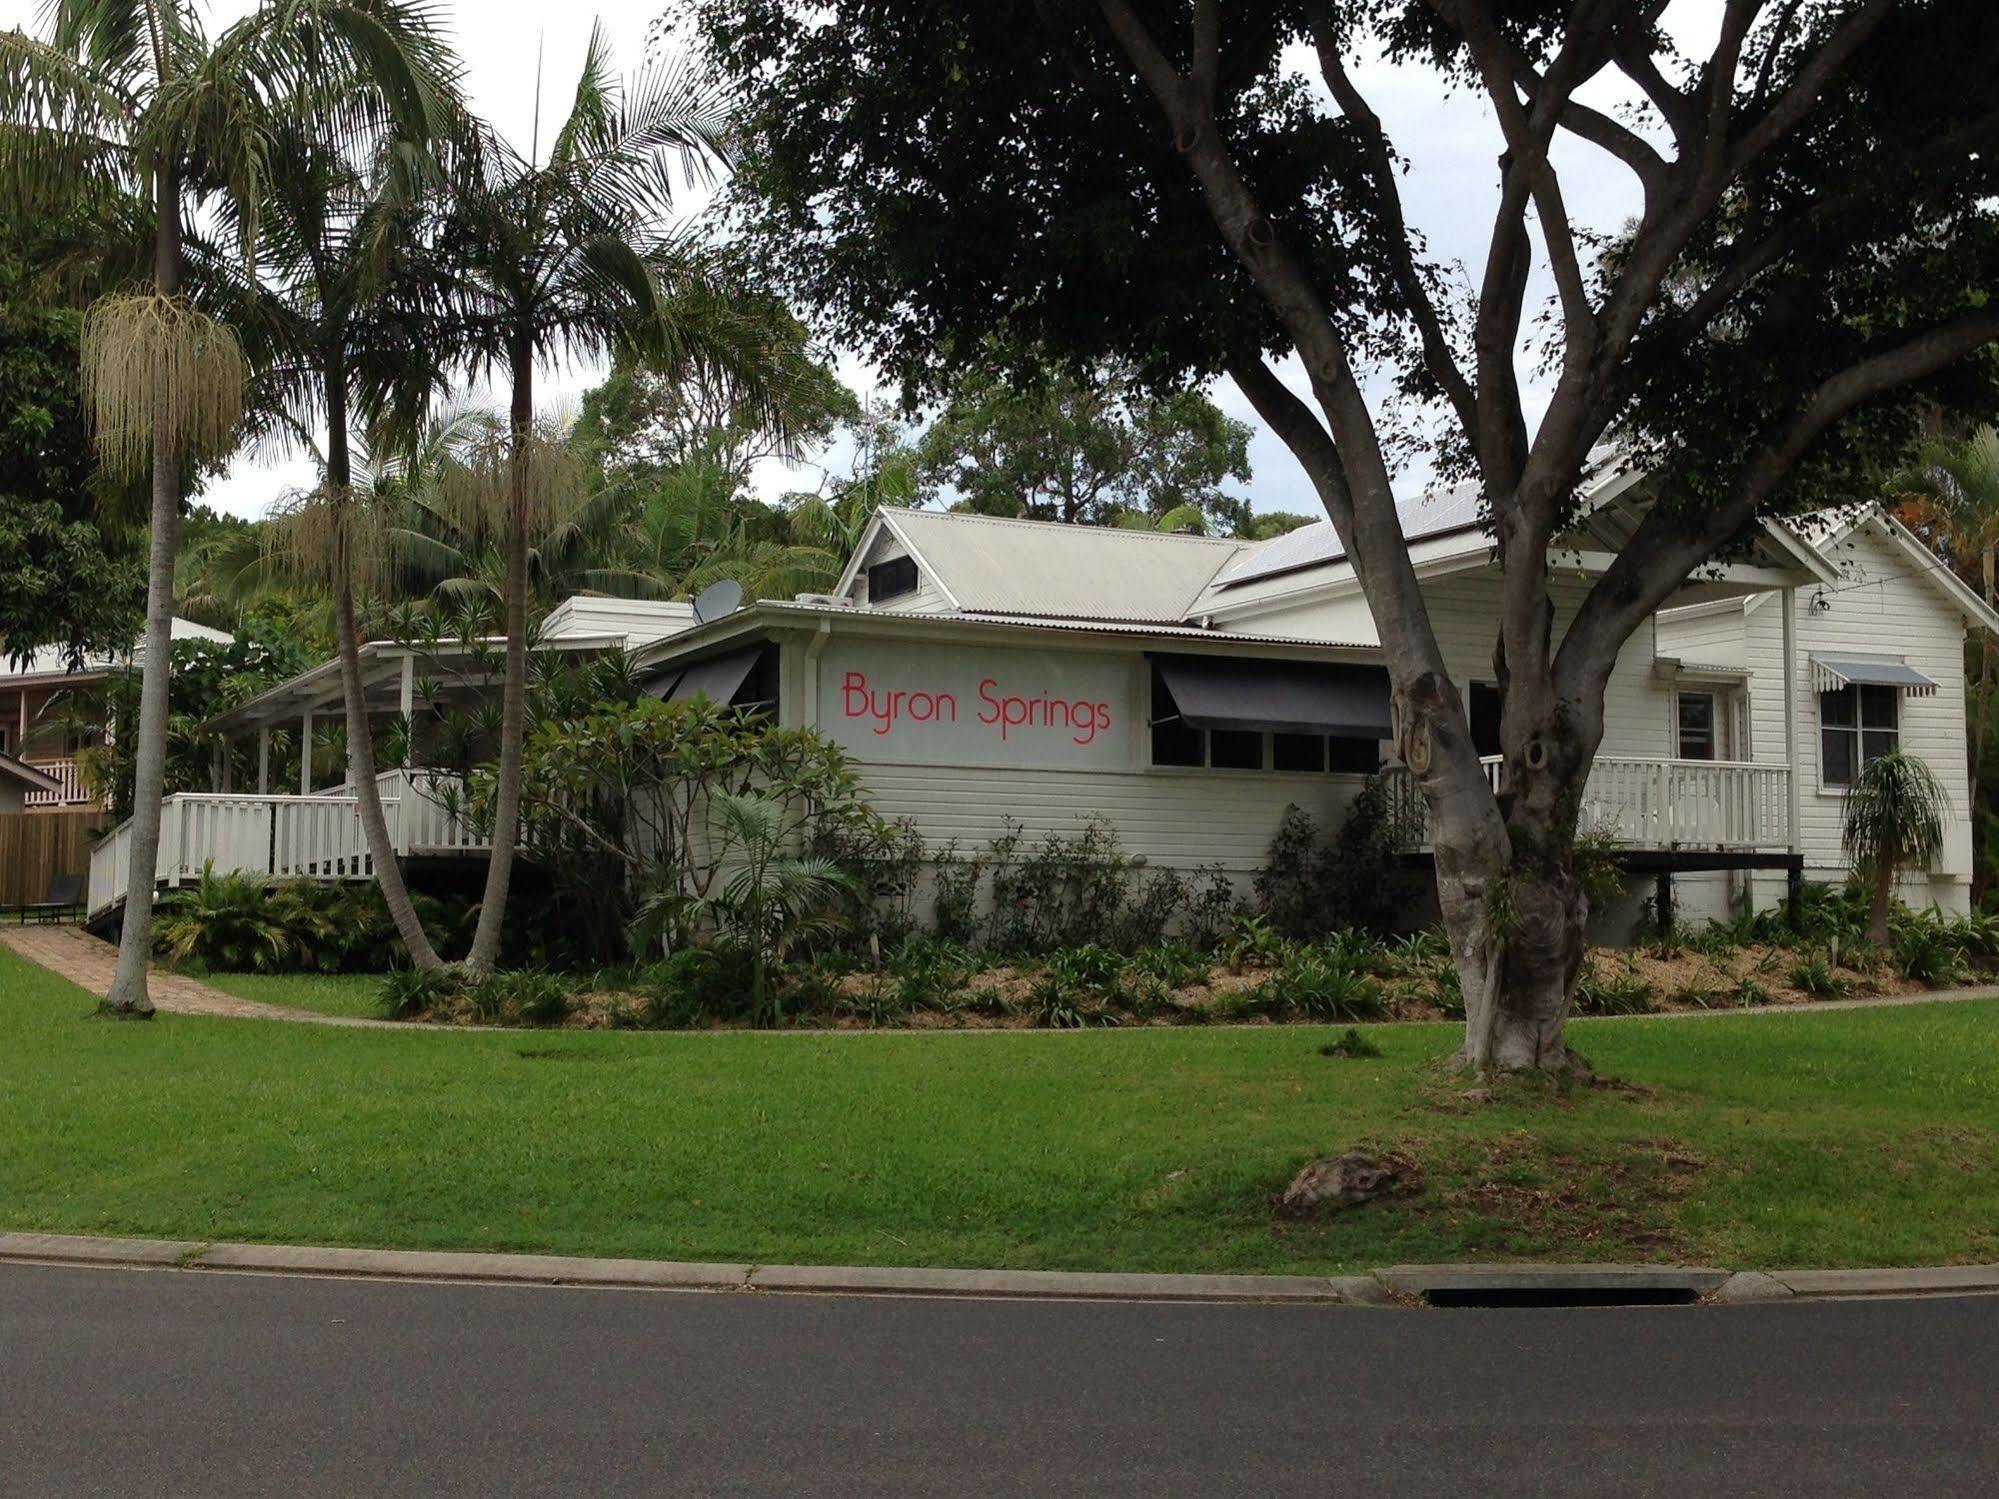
<point>1355,757</point>
<point>1173,742</point>
<point>1176,743</point>
<point>891,579</point>
<point>1482,708</point>
<point>1235,749</point>
<point>1696,726</point>
<point>1306,752</point>
<point>1857,726</point>
<point>758,693</point>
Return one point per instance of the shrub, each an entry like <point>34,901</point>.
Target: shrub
<point>1927,950</point>
<point>1317,984</point>
<point>1352,1045</point>
<point>1816,976</point>
<point>928,974</point>
<point>1255,941</point>
<point>1175,965</point>
<point>956,886</point>
<point>1623,993</point>
<point>1358,877</point>
<point>408,993</point>
<point>883,862</point>
<point>1447,992</point>
<point>226,924</point>
<point>528,996</point>
<point>695,982</point>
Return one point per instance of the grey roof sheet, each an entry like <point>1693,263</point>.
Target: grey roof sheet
<point>1027,567</point>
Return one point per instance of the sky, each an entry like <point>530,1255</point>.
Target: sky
<point>1452,143</point>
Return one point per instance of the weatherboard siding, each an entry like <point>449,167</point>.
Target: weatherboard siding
<point>1703,636</point>
<point>1885,608</point>
<point>1183,819</point>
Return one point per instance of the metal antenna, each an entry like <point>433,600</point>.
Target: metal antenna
<point>534,133</point>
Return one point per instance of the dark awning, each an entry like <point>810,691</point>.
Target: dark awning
<point>719,677</point>
<point>1280,697</point>
<point>1832,672</point>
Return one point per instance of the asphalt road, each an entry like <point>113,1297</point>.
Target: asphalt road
<point>115,1381</point>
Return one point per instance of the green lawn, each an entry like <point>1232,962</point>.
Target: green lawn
<point>324,993</point>
<point>1833,1139</point>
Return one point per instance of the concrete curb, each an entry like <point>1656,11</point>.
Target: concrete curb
<point>1398,1284</point>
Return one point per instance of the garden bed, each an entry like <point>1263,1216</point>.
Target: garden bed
<point>1260,979</point>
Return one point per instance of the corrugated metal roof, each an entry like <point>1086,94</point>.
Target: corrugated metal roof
<point>49,660</point>
<point>1039,568</point>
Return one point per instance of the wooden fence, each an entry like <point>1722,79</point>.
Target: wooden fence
<point>37,846</point>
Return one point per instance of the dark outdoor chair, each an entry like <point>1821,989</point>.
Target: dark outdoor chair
<point>65,897</point>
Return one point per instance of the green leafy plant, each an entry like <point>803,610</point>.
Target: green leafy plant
<point>1254,941</point>
<point>1816,976</point>
<point>1927,950</point>
<point>1351,1045</point>
<point>225,923</point>
<point>1894,818</point>
<point>773,901</point>
<point>1612,993</point>
<point>1321,986</point>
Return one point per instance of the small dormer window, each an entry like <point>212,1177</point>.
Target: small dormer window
<point>891,579</point>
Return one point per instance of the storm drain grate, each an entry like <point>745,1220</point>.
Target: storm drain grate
<point>1558,1296</point>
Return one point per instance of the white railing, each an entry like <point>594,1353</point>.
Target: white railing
<point>1654,803</point>
<point>70,789</point>
<point>432,819</point>
<point>282,837</point>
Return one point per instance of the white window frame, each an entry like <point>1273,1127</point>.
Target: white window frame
<point>1858,728</point>
<point>1714,721</point>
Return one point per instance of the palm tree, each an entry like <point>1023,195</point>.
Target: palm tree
<point>131,97</point>
<point>1960,483</point>
<point>1894,821</point>
<point>570,256</point>
<point>341,205</point>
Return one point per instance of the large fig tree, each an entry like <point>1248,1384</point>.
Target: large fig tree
<point>1205,187</point>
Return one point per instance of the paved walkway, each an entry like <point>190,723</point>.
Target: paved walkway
<point>90,963</point>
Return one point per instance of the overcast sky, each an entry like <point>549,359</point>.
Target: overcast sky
<point>1452,144</point>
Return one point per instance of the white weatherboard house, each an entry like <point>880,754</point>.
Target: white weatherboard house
<point>1188,690</point>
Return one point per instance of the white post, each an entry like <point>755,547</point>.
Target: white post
<point>305,754</point>
<point>1793,779</point>
<point>408,686</point>
<point>264,760</point>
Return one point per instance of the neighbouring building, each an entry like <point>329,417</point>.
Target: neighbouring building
<point>33,731</point>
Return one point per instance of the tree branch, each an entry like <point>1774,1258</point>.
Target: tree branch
<point>1438,357</point>
<point>1662,553</point>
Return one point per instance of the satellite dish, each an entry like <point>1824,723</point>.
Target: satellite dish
<point>717,599</point>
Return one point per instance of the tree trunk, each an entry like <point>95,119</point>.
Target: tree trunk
<point>128,996</point>
<point>360,735</point>
<point>1877,906</point>
<point>1517,941</point>
<point>485,952</point>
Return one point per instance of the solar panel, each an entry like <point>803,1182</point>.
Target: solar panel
<point>1308,546</point>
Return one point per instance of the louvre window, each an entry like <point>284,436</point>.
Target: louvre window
<point>891,579</point>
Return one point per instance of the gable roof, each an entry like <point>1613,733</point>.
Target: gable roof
<point>1038,569</point>
<point>1826,529</point>
<point>50,661</point>
<point>31,778</point>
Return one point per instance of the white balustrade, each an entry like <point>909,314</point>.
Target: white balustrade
<point>284,837</point>
<point>70,790</point>
<point>1653,803</point>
